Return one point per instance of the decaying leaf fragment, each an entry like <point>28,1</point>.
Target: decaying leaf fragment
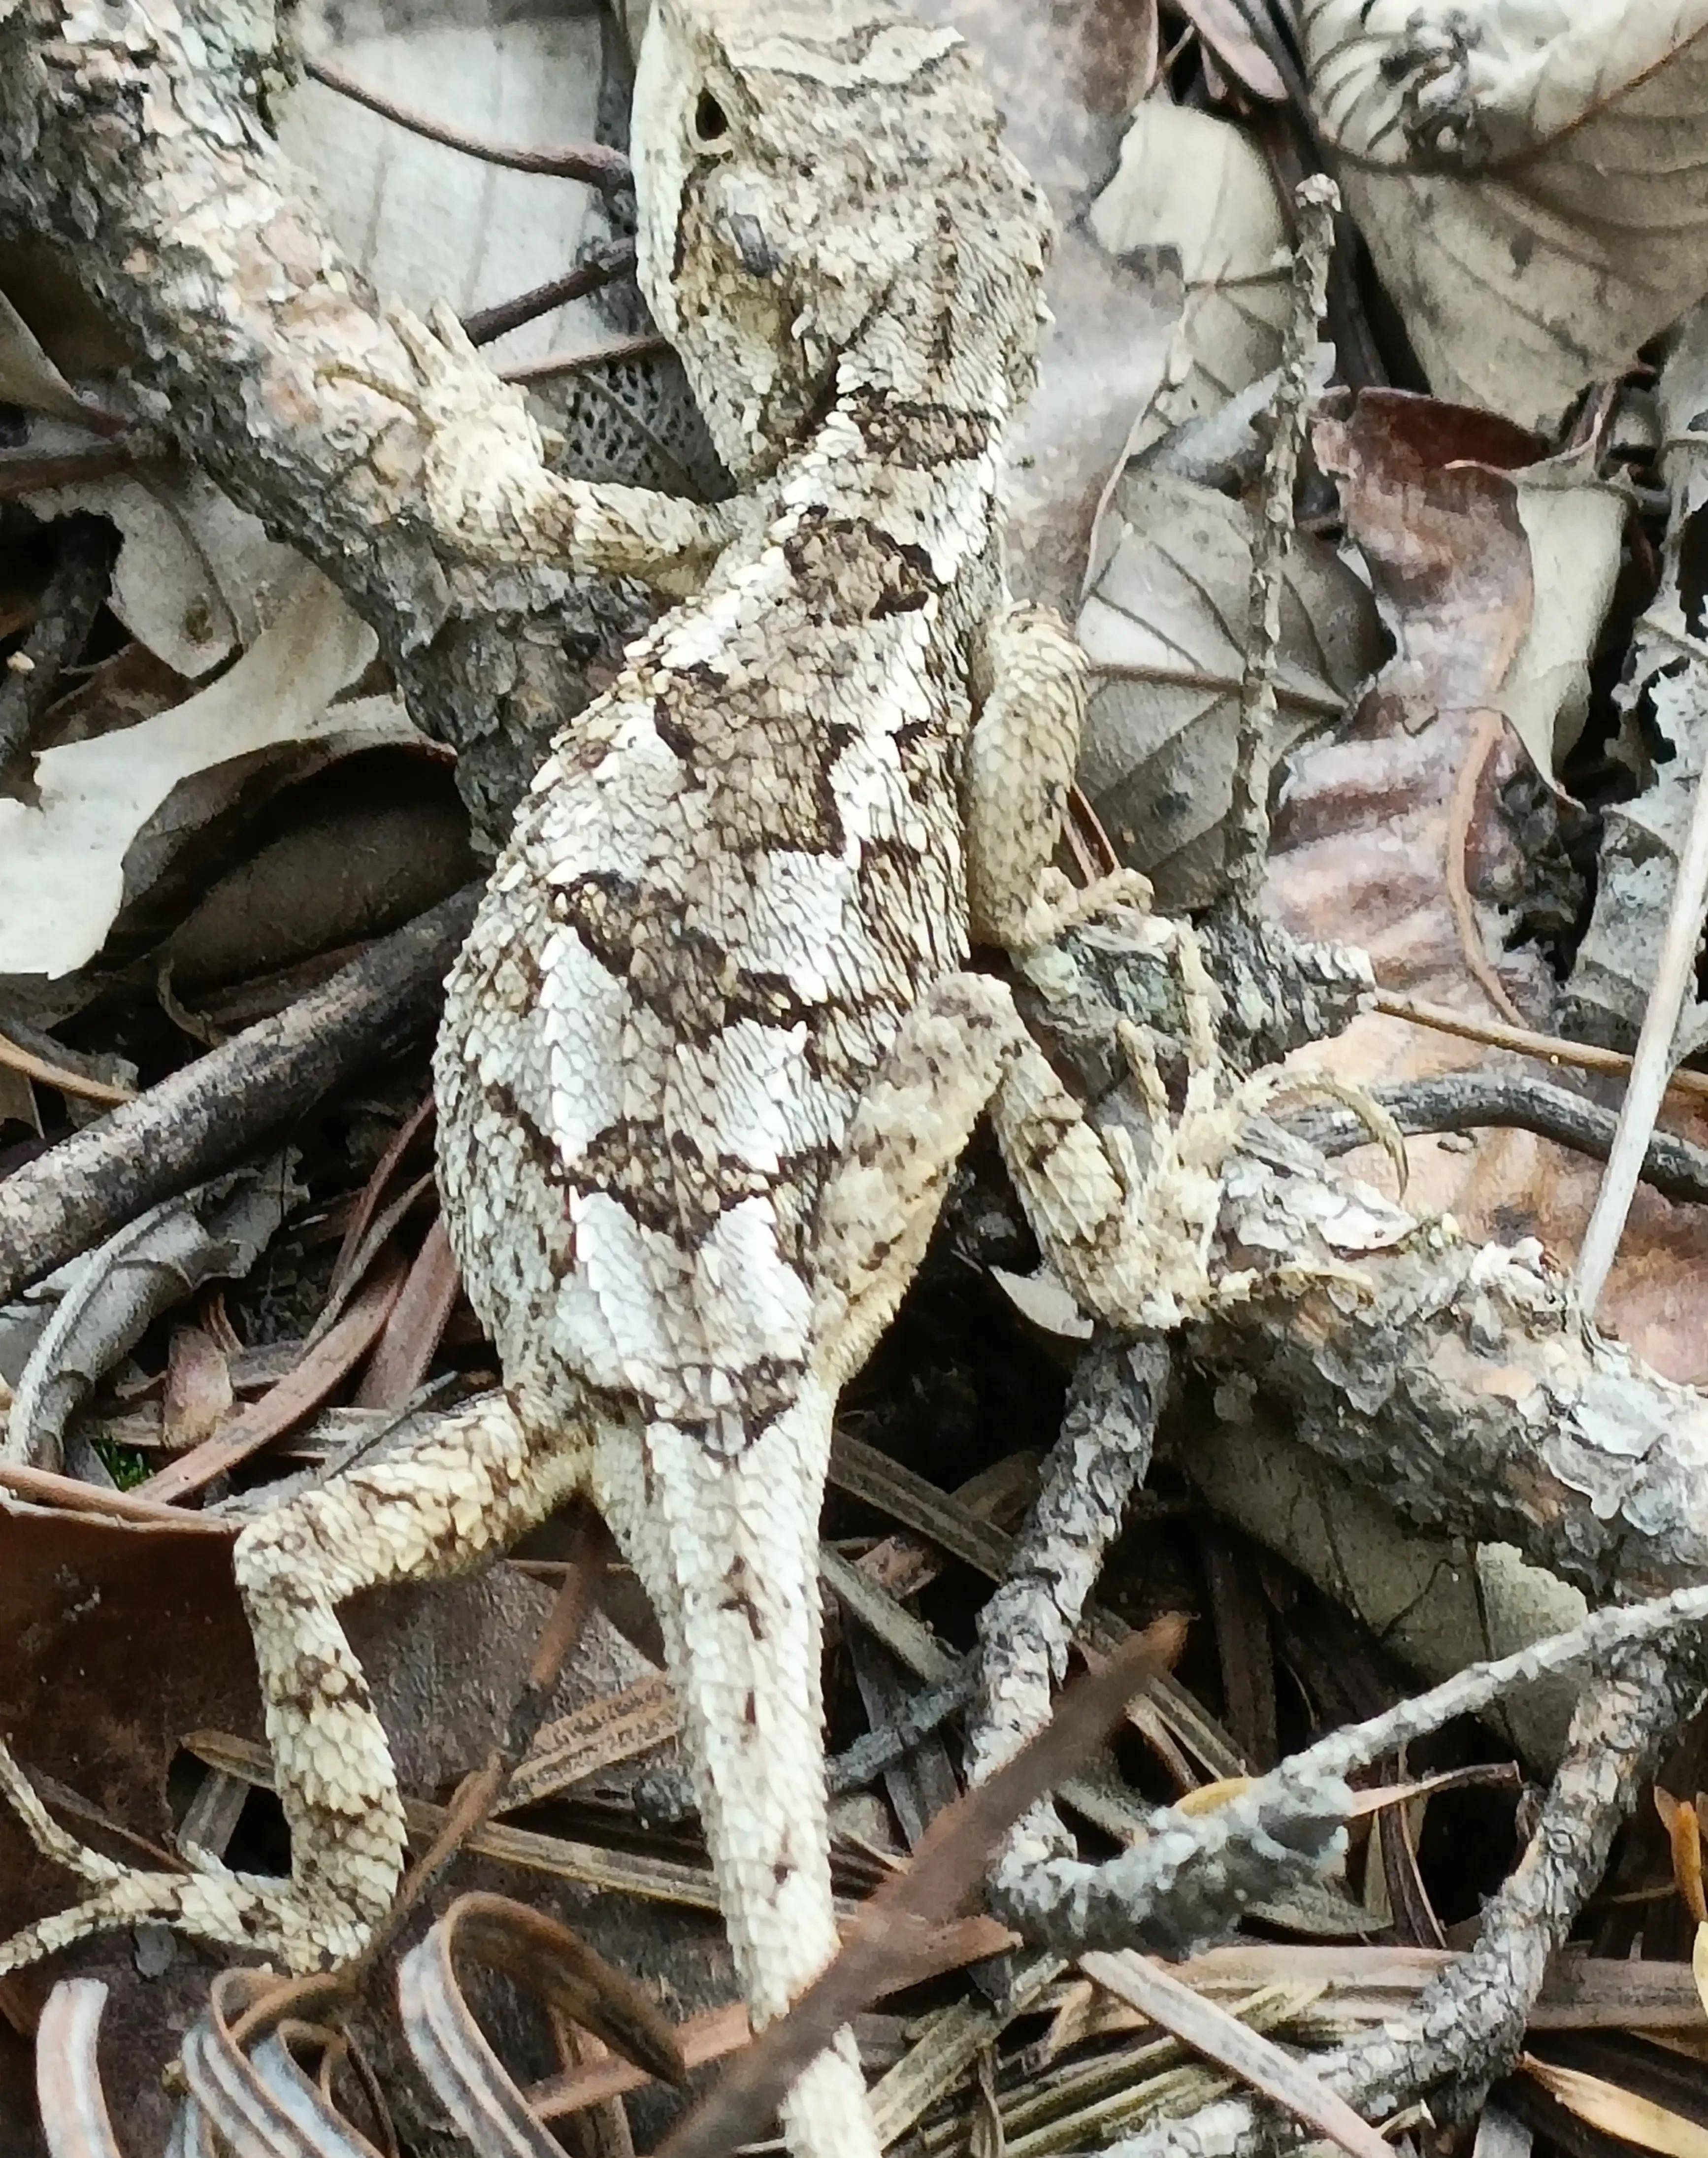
<point>1531,176</point>
<point>1664,696</point>
<point>63,861</point>
<point>1491,576</point>
<point>1493,565</point>
<point>1165,625</point>
<point>1201,187</point>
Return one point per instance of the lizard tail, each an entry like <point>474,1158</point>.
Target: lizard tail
<point>727,1548</point>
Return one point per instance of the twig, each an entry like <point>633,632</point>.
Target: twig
<point>1028,1625</point>
<point>600,166</point>
<point>1655,1057</point>
<point>1469,2020</point>
<point>337,1353</point>
<point>648,346</point>
<point>924,1712</point>
<point>1184,1884</point>
<point>1318,199</point>
<point>488,323</point>
<point>70,1494</point>
<point>1190,1879</point>
<point>1460,1101</point>
<point>210,1113</point>
<point>23,472</point>
<point>16,1058</point>
<point>1491,730</point>
<point>1524,1041</point>
<point>30,680</point>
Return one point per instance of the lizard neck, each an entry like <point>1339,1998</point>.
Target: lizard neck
<point>959,337</point>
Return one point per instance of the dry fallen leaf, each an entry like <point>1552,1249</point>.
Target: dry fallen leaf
<point>1423,826</point>
<point>1405,832</point>
<point>63,861</point>
<point>1165,625</point>
<point>1067,77</point>
<point>430,223</point>
<point>1189,182</point>
<point>1223,27</point>
<point>1531,176</point>
<point>197,578</point>
<point>1435,1603</point>
<point>1493,566</point>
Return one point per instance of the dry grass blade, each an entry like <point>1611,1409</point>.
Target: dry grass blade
<point>1619,2112</point>
<point>242,2071</point>
<point>721,2031</point>
<point>610,1728</point>
<point>1552,1048</point>
<point>575,1984</point>
<point>1220,2038</point>
<point>335,1354</point>
<point>900,1919</point>
<point>56,1075</point>
<point>70,1494</point>
<point>1674,979</point>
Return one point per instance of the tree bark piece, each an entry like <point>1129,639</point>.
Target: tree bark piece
<point>1456,1379</point>
<point>140,154</point>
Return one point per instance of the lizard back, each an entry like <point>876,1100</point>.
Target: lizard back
<point>738,869</point>
<point>726,888</point>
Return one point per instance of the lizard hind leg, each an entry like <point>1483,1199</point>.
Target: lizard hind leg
<point>443,1505</point>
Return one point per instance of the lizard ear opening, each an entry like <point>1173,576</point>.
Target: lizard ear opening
<point>711,123</point>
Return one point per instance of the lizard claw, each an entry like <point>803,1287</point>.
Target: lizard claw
<point>256,1912</point>
<point>482,470</point>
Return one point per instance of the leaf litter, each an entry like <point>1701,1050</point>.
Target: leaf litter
<point>1487,757</point>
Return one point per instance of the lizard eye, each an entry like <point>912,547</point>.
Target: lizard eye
<point>711,123</point>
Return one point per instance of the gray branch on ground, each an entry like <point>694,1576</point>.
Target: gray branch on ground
<point>1190,1879</point>
<point>1456,1379</point>
<point>1466,1100</point>
<point>1187,1885</point>
<point>126,150</point>
<point>1468,2023</point>
<point>213,1111</point>
<point>1028,1624</point>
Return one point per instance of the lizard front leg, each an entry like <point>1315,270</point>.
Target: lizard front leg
<point>1029,681</point>
<point>469,1487</point>
<point>491,497</point>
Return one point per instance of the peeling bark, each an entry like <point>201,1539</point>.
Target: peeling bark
<point>1459,1381</point>
<point>131,138</point>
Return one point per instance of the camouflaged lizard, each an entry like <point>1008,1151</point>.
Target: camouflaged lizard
<point>714,1044</point>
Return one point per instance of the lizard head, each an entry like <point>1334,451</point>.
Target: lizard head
<point>820,182</point>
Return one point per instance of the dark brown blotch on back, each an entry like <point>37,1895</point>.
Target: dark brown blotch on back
<point>920,437</point>
<point>847,570</point>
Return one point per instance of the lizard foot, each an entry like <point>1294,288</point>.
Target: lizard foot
<point>254,1911</point>
<point>482,471</point>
